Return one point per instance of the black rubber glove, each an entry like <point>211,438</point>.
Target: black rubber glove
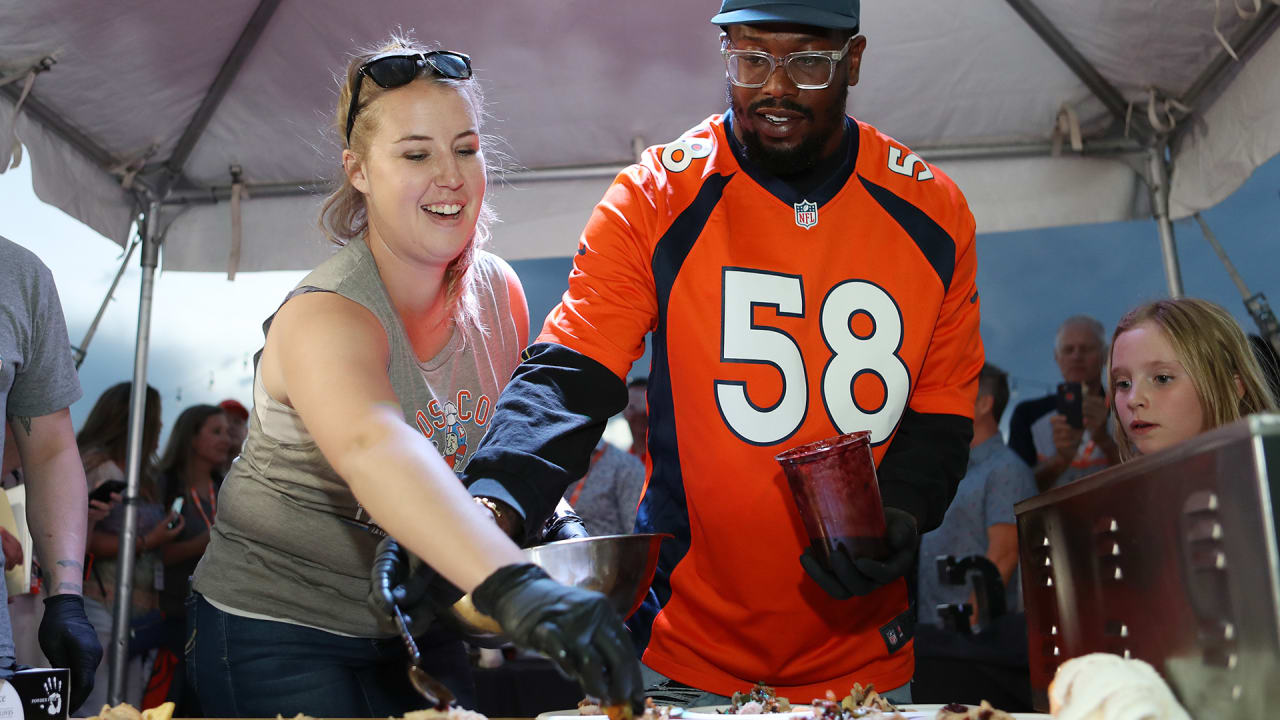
<point>564,525</point>
<point>849,575</point>
<point>574,627</point>
<point>399,578</point>
<point>69,641</point>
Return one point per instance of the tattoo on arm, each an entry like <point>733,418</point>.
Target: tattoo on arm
<point>25,422</point>
<point>68,587</point>
<point>71,564</point>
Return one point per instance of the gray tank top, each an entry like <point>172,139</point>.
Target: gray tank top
<point>290,541</point>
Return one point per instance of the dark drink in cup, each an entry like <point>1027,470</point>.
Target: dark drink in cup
<point>835,488</point>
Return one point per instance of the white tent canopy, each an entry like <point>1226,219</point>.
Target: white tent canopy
<point>184,93</point>
<point>1045,112</point>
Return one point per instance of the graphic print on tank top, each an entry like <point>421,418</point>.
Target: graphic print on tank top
<point>448,425</point>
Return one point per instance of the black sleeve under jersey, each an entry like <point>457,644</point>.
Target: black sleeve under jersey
<point>924,464</point>
<point>544,428</point>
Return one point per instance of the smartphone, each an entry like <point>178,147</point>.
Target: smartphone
<point>1070,403</point>
<point>176,510</point>
<point>103,492</point>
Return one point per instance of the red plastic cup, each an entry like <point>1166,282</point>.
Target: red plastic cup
<point>835,487</point>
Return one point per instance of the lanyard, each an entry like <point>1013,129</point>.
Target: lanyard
<point>577,492</point>
<point>213,505</point>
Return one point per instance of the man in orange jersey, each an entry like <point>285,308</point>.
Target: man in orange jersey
<point>801,275</point>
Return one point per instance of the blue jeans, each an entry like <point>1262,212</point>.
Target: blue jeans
<point>243,667</point>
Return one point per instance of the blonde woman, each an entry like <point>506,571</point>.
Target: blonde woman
<point>376,381</point>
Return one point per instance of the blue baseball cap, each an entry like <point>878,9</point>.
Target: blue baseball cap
<point>840,14</point>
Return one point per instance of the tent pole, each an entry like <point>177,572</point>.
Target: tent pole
<point>125,560</point>
<point>1257,305</point>
<point>1158,180</point>
<point>83,349</point>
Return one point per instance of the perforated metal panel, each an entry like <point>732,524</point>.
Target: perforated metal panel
<point>1170,558</point>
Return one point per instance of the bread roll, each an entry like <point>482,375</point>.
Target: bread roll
<point>1102,686</point>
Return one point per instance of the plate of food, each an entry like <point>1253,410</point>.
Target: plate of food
<point>761,702</point>
<point>657,711</point>
<point>959,711</point>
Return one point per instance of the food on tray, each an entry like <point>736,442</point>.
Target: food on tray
<point>861,702</point>
<point>1102,685</point>
<point>452,713</point>
<point>619,712</point>
<point>125,711</point>
<point>652,711</point>
<point>956,711</point>
<point>759,699</point>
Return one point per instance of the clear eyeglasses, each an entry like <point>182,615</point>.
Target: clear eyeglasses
<point>807,69</point>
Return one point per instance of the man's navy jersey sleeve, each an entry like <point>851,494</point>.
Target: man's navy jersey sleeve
<point>545,426</point>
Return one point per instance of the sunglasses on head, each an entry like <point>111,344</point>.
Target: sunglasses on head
<point>399,67</point>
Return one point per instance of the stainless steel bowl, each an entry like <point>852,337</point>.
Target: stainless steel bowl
<point>620,566</point>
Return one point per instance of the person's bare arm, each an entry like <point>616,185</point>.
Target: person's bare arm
<point>1066,440</point>
<point>57,507</point>
<point>107,544</point>
<point>12,550</point>
<point>1002,551</point>
<point>181,550</point>
<point>327,357</point>
<point>1094,409</point>
<point>1002,548</point>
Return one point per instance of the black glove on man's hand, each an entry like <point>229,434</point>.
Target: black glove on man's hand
<point>574,627</point>
<point>398,578</point>
<point>564,525</point>
<point>68,640</point>
<point>850,575</point>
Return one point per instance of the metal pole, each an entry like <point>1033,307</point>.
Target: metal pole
<point>1158,180</point>
<point>83,349</point>
<point>119,649</point>
<point>1222,255</point>
<point>1257,305</point>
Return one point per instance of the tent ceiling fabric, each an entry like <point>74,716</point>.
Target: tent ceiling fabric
<point>572,83</point>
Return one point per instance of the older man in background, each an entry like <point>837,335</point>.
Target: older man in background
<point>1043,437</point>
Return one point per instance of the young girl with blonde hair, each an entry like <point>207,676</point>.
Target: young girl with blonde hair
<point>1179,367</point>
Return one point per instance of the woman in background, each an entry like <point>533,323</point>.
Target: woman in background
<point>190,468</point>
<point>103,441</point>
<point>1178,368</point>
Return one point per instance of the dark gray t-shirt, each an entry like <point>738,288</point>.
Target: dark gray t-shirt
<point>37,371</point>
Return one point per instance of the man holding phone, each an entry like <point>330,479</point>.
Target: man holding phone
<point>1063,436</point>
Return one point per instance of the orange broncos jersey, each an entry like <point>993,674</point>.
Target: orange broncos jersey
<point>776,321</point>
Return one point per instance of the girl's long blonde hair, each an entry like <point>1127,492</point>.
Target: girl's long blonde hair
<point>1216,354</point>
<point>344,216</point>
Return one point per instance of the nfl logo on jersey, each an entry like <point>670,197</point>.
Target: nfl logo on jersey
<point>806,214</point>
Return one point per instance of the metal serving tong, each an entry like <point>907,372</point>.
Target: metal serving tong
<point>428,687</point>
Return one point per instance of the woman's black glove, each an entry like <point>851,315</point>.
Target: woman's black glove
<point>68,640</point>
<point>850,575</point>
<point>574,627</point>
<point>399,578</point>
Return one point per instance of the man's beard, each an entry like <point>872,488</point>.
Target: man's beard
<point>785,162</point>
